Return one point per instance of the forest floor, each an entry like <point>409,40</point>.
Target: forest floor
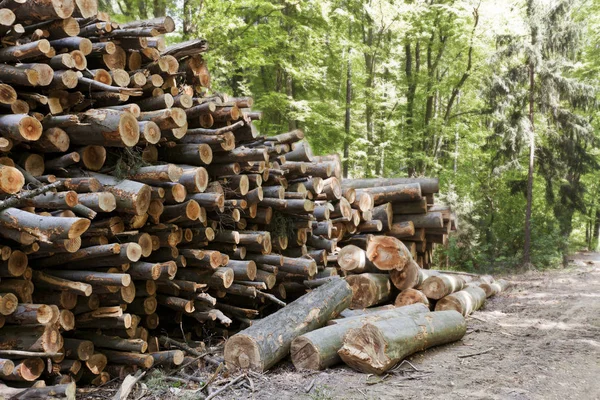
<point>539,340</point>
<point>542,339</point>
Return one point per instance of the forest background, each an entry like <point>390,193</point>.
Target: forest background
<point>497,98</point>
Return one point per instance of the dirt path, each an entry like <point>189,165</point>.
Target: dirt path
<point>545,335</point>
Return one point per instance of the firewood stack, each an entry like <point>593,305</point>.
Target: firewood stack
<point>135,202</point>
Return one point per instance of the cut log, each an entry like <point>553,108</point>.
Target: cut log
<point>31,338</point>
<point>436,287</point>
<point>318,349</point>
<point>42,227</point>
<point>378,346</point>
<point>387,253</point>
<point>429,220</point>
<point>27,370</point>
<point>354,260</point>
<point>410,296</point>
<point>31,314</point>
<point>428,185</point>
<point>392,194</point>
<point>369,289</point>
<point>268,340</point>
<point>20,127</point>
<point>470,299</point>
<point>406,278</point>
<point>11,179</point>
<point>131,197</point>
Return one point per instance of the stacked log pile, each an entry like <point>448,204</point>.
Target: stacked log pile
<point>135,202</point>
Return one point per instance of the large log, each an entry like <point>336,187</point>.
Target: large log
<point>387,253</point>
<point>318,349</point>
<point>428,185</point>
<point>354,260</point>
<point>31,338</point>
<point>392,194</point>
<point>436,287</point>
<point>406,278</point>
<point>429,220</point>
<point>267,341</point>
<point>369,289</point>
<point>470,299</point>
<point>42,227</point>
<point>378,346</point>
<point>131,197</point>
<point>410,296</point>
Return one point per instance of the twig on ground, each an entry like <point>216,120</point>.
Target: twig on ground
<point>309,387</point>
<point>476,354</point>
<point>230,384</point>
<point>212,378</point>
<point>478,319</point>
<point>397,367</point>
<point>128,384</point>
<point>166,341</point>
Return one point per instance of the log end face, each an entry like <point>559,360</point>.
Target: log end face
<point>93,157</point>
<point>17,263</point>
<point>78,227</point>
<point>11,180</point>
<point>129,129</point>
<point>364,350</point>
<point>411,296</point>
<point>87,8</point>
<point>31,368</point>
<point>304,354</point>
<point>30,128</point>
<point>242,352</point>
<point>7,367</point>
<point>142,200</point>
<point>8,304</point>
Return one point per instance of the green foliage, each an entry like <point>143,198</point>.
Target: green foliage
<point>438,88</point>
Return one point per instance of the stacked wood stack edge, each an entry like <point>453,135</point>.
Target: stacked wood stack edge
<point>137,202</point>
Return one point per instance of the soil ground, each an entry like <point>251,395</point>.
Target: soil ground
<point>539,340</point>
<point>544,336</point>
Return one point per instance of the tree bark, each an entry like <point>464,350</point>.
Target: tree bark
<point>428,185</point>
<point>436,287</point>
<point>378,346</point>
<point>470,299</point>
<point>411,296</point>
<point>387,253</point>
<point>369,289</point>
<point>268,340</point>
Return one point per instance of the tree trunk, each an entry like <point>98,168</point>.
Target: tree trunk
<point>369,289</point>
<point>470,299</point>
<point>527,235</point>
<point>378,346</point>
<point>436,287</point>
<point>428,185</point>
<point>318,349</point>
<point>268,340</point>
<point>394,193</point>
<point>410,296</point>
<point>43,228</point>
<point>387,253</point>
<point>406,278</point>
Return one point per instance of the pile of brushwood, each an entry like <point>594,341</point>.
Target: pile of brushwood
<point>142,213</point>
